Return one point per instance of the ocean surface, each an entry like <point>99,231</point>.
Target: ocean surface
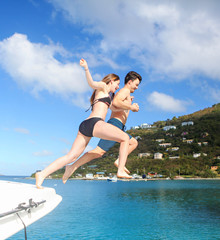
<point>166,209</point>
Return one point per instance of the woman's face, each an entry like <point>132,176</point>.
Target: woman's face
<point>115,85</point>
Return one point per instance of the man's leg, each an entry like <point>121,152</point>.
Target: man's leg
<point>87,157</point>
<point>133,143</point>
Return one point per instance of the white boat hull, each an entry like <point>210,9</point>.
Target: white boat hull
<point>15,193</point>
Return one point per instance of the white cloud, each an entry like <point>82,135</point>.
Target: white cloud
<point>166,103</point>
<point>43,153</point>
<point>175,38</point>
<point>215,94</point>
<point>209,92</point>
<point>34,66</point>
<point>22,130</point>
<point>82,100</point>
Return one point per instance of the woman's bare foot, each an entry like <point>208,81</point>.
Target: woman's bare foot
<point>125,169</point>
<point>68,172</point>
<point>39,180</point>
<point>123,175</point>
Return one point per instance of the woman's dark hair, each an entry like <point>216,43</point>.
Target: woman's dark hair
<point>132,76</point>
<point>107,79</point>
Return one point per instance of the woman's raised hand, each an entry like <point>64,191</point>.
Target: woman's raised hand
<point>83,63</point>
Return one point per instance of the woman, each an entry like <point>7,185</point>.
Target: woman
<point>95,126</point>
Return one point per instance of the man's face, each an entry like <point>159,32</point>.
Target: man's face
<point>134,85</point>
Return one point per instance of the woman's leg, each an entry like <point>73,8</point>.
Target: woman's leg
<point>109,132</point>
<point>78,147</point>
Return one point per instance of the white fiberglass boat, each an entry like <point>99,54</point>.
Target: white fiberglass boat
<point>113,179</point>
<point>22,204</point>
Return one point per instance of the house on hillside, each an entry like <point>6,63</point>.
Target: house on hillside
<point>89,176</point>
<point>164,144</point>
<point>99,175</point>
<point>166,128</point>
<point>135,127</point>
<point>145,125</point>
<point>92,166</point>
<point>202,143</point>
<point>158,155</point>
<point>174,157</point>
<point>78,175</point>
<point>173,149</point>
<point>187,123</point>
<point>189,141</point>
<point>140,155</point>
<point>196,155</point>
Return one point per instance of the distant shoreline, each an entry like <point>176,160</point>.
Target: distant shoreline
<point>133,179</point>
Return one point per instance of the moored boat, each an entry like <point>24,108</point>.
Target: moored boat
<point>113,179</point>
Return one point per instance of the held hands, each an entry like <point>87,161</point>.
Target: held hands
<point>134,107</point>
<point>83,63</point>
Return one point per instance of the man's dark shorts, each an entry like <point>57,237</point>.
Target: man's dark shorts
<point>107,144</point>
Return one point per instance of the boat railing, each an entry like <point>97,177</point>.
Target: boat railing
<point>23,207</point>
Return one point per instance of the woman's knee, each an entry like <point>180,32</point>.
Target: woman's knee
<point>70,157</point>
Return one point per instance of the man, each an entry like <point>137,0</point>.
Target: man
<point>121,105</point>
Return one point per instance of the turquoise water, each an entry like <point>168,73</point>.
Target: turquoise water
<point>131,210</point>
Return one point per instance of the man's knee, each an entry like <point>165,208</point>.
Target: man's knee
<point>133,142</point>
<point>136,143</point>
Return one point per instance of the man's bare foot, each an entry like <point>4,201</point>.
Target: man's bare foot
<point>125,169</point>
<point>39,180</point>
<point>68,172</point>
<point>123,175</point>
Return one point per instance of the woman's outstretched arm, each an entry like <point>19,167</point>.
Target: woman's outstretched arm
<point>92,84</point>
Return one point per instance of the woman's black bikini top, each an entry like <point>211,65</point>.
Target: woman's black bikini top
<point>106,100</point>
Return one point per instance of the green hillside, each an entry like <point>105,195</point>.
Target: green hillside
<point>201,137</point>
<point>205,137</point>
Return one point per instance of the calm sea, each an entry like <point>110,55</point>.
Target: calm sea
<point>130,210</point>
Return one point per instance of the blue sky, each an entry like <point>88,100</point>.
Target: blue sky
<point>174,45</point>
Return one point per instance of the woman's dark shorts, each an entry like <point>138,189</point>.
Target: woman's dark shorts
<point>86,127</point>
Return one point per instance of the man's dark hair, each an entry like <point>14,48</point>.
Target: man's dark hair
<point>132,76</point>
